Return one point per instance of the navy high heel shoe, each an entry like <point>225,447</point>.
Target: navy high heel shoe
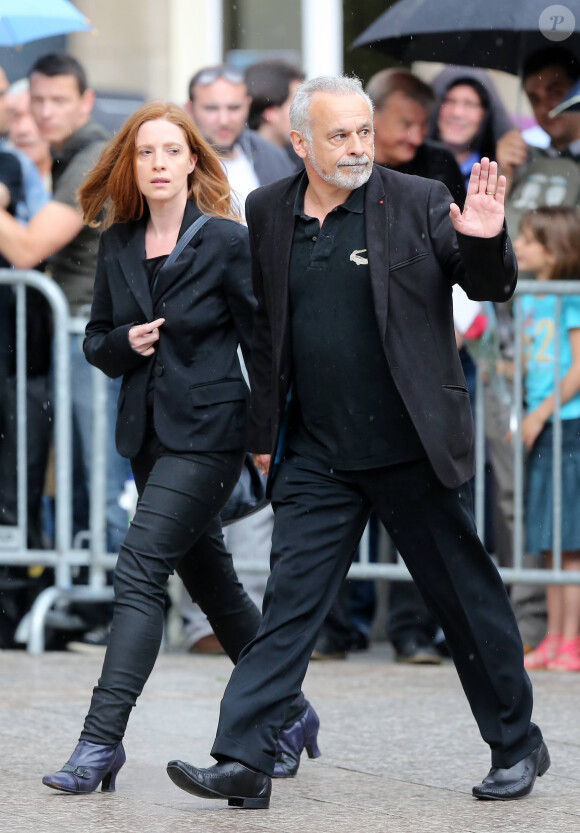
<point>292,740</point>
<point>89,765</point>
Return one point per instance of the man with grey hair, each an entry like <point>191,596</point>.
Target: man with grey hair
<point>359,402</point>
<point>23,131</point>
<point>402,107</point>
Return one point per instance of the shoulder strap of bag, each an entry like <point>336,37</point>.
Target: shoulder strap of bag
<point>185,238</point>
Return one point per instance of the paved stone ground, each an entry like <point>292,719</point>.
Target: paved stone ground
<point>400,752</point>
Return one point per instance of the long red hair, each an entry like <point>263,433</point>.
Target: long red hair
<point>112,183</point>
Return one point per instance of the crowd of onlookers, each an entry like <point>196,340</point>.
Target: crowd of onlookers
<point>437,130</point>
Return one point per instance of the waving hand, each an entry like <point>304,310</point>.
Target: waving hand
<point>483,212</point>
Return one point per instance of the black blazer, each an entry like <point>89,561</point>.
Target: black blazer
<point>200,398</point>
<point>415,257</point>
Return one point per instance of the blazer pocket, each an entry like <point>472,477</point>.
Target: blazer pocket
<point>219,409</point>
<point>455,415</point>
<point>408,261</point>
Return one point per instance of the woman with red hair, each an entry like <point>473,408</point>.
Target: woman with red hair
<point>168,319</point>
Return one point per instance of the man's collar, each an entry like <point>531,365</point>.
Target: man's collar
<point>299,200</point>
<point>355,202</point>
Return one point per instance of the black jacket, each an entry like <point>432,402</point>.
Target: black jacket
<point>200,397</point>
<point>415,257</point>
<point>434,161</point>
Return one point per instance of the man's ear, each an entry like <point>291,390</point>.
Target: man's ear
<point>247,103</point>
<point>299,144</point>
<point>268,112</point>
<point>87,101</point>
<point>188,107</point>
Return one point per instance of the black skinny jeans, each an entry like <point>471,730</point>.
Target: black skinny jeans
<point>176,527</point>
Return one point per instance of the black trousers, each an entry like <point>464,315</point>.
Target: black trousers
<point>320,516</point>
<point>176,527</point>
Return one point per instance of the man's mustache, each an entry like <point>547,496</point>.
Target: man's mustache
<point>354,160</point>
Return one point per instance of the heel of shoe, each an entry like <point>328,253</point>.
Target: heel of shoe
<point>311,737</point>
<point>250,803</point>
<point>311,725</point>
<point>108,783</point>
<point>312,749</point>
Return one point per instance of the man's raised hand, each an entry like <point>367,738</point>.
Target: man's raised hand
<point>483,212</point>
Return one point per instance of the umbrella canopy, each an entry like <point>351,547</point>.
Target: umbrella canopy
<point>570,103</point>
<point>22,21</point>
<point>496,34</point>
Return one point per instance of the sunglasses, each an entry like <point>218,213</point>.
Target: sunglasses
<point>208,76</point>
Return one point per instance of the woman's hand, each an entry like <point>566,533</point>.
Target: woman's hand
<point>483,212</point>
<point>262,463</point>
<point>142,337</point>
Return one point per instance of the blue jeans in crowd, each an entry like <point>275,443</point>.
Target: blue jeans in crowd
<point>118,468</point>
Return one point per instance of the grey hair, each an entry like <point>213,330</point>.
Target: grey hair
<point>335,84</point>
<point>389,81</point>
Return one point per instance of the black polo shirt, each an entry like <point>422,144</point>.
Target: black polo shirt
<point>346,409</point>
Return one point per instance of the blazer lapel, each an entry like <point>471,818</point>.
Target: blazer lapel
<point>131,262</point>
<point>377,239</point>
<point>282,247</point>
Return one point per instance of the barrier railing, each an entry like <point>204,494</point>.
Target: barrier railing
<point>67,555</point>
<point>64,557</point>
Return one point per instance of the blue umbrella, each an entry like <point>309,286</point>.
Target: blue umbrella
<point>570,103</point>
<point>22,21</point>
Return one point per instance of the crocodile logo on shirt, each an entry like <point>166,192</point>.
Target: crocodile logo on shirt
<point>356,257</point>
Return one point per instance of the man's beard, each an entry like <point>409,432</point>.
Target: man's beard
<point>343,180</point>
<point>223,150</point>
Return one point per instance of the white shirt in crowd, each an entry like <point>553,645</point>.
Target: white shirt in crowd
<point>242,178</point>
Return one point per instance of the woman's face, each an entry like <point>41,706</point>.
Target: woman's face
<point>163,161</point>
<point>460,116</point>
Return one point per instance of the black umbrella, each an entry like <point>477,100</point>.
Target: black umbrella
<point>496,34</point>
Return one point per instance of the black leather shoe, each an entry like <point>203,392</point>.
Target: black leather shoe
<point>516,781</point>
<point>239,785</point>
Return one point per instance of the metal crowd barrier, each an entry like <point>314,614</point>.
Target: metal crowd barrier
<point>519,573</point>
<point>68,555</point>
